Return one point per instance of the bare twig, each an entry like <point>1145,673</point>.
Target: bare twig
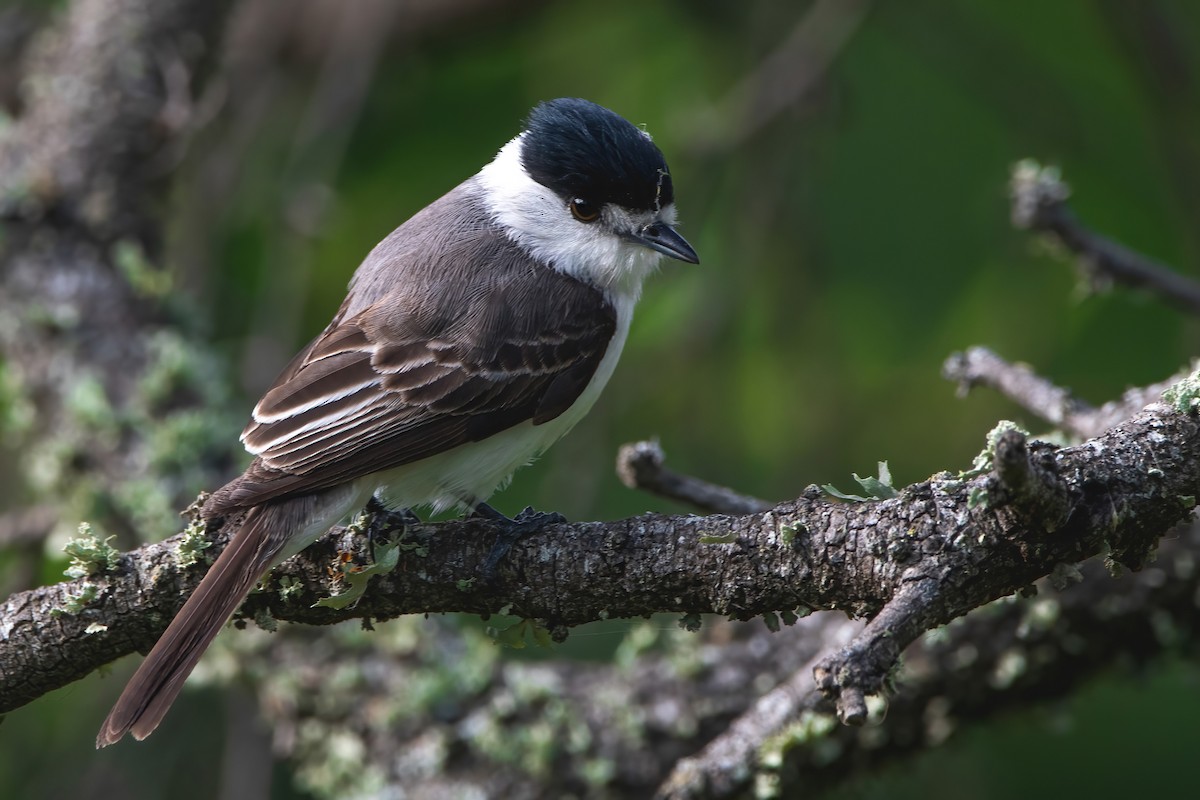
<point>640,466</point>
<point>979,366</point>
<point>1039,198</point>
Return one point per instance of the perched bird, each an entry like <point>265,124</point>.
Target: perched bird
<point>471,338</point>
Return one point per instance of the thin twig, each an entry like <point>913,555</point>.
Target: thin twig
<point>979,366</point>
<point>640,466</point>
<point>1039,198</point>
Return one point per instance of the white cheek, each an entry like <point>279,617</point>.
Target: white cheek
<point>539,220</point>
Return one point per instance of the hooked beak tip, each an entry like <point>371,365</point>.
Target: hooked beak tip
<point>664,239</point>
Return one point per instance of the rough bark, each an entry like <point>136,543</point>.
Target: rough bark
<point>911,563</point>
<point>100,378</point>
<point>110,384</point>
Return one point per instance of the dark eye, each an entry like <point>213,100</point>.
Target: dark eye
<point>584,211</point>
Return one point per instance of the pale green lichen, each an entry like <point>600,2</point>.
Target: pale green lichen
<point>1065,575</point>
<point>1184,395</point>
<point>181,439</point>
<point>1011,665</point>
<point>1166,630</point>
<point>264,620</point>
<point>638,640</point>
<point>176,371</point>
<point>165,425</point>
<point>359,524</point>
<point>192,545</point>
<point>789,530</point>
<point>147,501</point>
<point>445,679</point>
<point>1039,618</point>
<point>977,497</point>
<point>17,414</point>
<point>983,462</point>
<point>344,770</point>
<point>876,488</point>
<point>290,587</point>
<point>77,599</point>
<point>86,402</point>
<point>1033,185</point>
<point>535,747</point>
<point>597,771</point>
<point>89,554</point>
<point>810,731</point>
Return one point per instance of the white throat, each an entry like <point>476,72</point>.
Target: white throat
<point>539,221</point>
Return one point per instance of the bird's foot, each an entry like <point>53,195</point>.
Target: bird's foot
<point>510,531</point>
<point>375,507</point>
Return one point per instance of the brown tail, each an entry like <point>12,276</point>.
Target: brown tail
<point>158,680</point>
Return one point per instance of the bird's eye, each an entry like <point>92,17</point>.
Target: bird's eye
<point>584,211</point>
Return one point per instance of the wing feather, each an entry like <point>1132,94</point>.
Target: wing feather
<point>401,381</point>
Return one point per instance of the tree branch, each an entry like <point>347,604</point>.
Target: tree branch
<point>911,563</point>
<point>1039,203</point>
<point>979,366</point>
<point>640,465</point>
<point>93,351</point>
<point>1082,623</point>
<point>77,191</point>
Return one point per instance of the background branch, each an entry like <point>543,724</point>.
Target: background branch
<point>120,410</point>
<point>979,366</point>
<point>640,465</point>
<point>1039,203</point>
<point>807,554</point>
<point>988,664</point>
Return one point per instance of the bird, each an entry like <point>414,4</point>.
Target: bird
<point>471,338</point>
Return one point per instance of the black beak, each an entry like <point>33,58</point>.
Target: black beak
<point>663,238</point>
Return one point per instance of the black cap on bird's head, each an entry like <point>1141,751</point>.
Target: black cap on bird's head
<point>579,149</point>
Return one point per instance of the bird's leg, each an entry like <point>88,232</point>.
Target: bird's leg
<point>375,506</point>
<point>510,531</point>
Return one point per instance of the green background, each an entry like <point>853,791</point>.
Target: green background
<point>848,246</point>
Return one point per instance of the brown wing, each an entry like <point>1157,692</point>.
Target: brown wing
<point>412,376</point>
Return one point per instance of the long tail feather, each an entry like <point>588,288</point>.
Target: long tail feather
<point>157,682</point>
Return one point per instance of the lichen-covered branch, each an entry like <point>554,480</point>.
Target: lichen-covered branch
<point>1017,653</point>
<point>103,384</point>
<point>98,380</point>
<point>979,366</point>
<point>937,550</point>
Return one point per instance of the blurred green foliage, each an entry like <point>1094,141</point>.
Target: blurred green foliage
<point>848,246</point>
